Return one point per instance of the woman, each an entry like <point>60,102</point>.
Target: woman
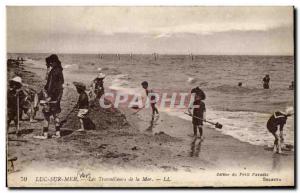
<point>53,93</point>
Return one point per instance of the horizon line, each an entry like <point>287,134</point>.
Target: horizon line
<point>170,54</point>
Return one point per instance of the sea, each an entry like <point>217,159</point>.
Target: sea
<point>243,111</point>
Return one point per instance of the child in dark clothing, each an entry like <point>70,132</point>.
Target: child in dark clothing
<point>278,120</point>
<point>82,105</point>
<point>198,107</point>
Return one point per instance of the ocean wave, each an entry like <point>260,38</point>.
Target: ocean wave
<point>71,66</point>
<point>247,127</point>
<point>230,89</point>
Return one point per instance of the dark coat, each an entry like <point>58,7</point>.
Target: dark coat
<point>54,87</point>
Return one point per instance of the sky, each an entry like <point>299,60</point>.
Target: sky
<point>165,30</point>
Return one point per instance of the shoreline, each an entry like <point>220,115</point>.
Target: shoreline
<point>241,118</point>
<point>113,146</point>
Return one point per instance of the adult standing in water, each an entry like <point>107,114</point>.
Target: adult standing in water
<point>53,93</point>
<point>266,81</point>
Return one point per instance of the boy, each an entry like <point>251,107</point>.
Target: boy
<point>152,98</point>
<point>82,105</point>
<point>199,115</point>
<point>278,120</point>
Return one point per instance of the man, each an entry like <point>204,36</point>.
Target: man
<point>152,98</point>
<point>275,122</point>
<point>266,81</point>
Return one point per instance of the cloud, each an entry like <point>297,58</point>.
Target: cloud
<point>173,28</point>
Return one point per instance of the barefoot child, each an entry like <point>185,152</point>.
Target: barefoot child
<point>152,98</point>
<point>278,120</point>
<point>82,104</point>
<point>198,107</point>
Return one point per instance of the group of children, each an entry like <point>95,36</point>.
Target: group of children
<point>197,110</point>
<point>21,99</point>
<point>51,95</point>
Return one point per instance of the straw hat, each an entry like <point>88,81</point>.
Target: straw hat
<point>101,75</point>
<point>79,85</point>
<point>17,79</point>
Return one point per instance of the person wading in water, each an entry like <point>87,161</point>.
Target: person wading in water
<point>266,81</point>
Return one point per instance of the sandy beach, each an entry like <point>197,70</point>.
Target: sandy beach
<point>126,142</point>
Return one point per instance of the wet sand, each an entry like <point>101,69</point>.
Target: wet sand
<point>126,142</point>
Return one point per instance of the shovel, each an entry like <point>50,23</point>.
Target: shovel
<point>217,125</point>
<point>135,107</point>
<point>67,116</point>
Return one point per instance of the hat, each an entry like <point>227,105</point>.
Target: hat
<point>289,111</point>
<point>17,79</point>
<point>101,75</point>
<point>53,58</point>
<point>144,83</point>
<point>199,92</point>
<point>79,85</point>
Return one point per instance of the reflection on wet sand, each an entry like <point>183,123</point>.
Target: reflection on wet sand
<point>195,147</point>
<point>278,161</point>
<point>152,124</point>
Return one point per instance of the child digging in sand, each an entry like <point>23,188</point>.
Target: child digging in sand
<point>275,122</point>
<point>82,106</point>
<point>198,107</point>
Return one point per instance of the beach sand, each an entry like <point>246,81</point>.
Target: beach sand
<point>126,142</point>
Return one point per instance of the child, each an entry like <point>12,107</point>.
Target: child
<point>82,105</point>
<point>152,98</point>
<point>98,86</point>
<point>199,110</point>
<point>14,98</point>
<point>52,94</point>
<point>278,120</point>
